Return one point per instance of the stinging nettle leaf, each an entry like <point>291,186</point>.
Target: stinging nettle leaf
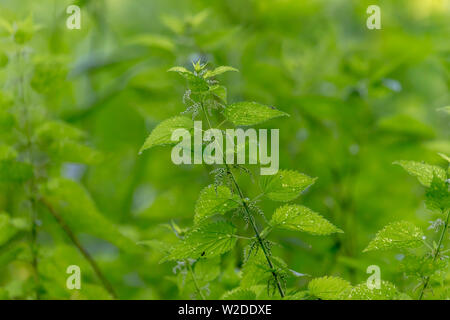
<point>239,294</point>
<point>207,240</point>
<point>214,200</point>
<point>387,291</point>
<point>397,235</point>
<point>300,218</point>
<point>220,92</point>
<point>251,113</point>
<point>424,172</point>
<point>438,195</point>
<point>219,70</point>
<point>329,288</point>
<point>181,70</point>
<point>162,133</point>
<point>286,185</point>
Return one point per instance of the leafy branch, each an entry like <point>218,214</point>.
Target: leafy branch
<point>209,239</point>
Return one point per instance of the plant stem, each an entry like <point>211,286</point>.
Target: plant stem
<point>252,221</point>
<point>195,280</point>
<point>436,253</point>
<point>83,251</point>
<point>255,229</point>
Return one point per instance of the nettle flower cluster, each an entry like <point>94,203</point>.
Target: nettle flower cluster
<point>213,234</point>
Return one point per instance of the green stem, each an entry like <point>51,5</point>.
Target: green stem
<point>252,221</point>
<point>436,253</point>
<point>195,280</point>
<point>256,231</point>
<point>106,284</point>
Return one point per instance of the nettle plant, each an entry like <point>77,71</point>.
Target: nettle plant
<point>213,233</point>
<point>423,260</point>
<point>38,152</point>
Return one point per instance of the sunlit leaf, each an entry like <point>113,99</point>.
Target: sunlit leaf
<point>214,200</point>
<point>329,288</point>
<point>162,133</point>
<point>424,172</point>
<point>397,235</point>
<point>300,218</point>
<point>219,70</point>
<point>251,113</point>
<point>285,185</point>
<point>207,240</point>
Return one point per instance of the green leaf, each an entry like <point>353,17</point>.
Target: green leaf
<point>444,156</point>
<point>196,83</point>
<point>286,185</point>
<point>387,291</point>
<point>397,235</point>
<point>207,270</point>
<point>239,294</point>
<point>212,201</point>
<point>300,218</point>
<point>256,269</point>
<point>424,172</point>
<point>15,171</point>
<point>207,240</point>
<point>438,195</point>
<point>162,133</point>
<point>421,266</point>
<point>75,206</point>
<point>329,288</point>
<point>181,70</point>
<point>219,70</point>
<point>220,92</point>
<point>251,113</point>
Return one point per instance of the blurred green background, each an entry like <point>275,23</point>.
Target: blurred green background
<point>359,99</point>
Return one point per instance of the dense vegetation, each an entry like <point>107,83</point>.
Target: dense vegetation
<point>86,178</point>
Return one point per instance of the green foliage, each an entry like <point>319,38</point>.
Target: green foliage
<point>286,185</point>
<point>300,218</point>
<point>210,239</point>
<point>251,113</point>
<point>387,291</point>
<point>424,267</point>
<point>214,200</point>
<point>239,294</point>
<point>79,211</point>
<point>161,135</point>
<point>329,288</point>
<point>397,235</point>
<point>75,106</point>
<point>206,240</point>
<point>424,172</point>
